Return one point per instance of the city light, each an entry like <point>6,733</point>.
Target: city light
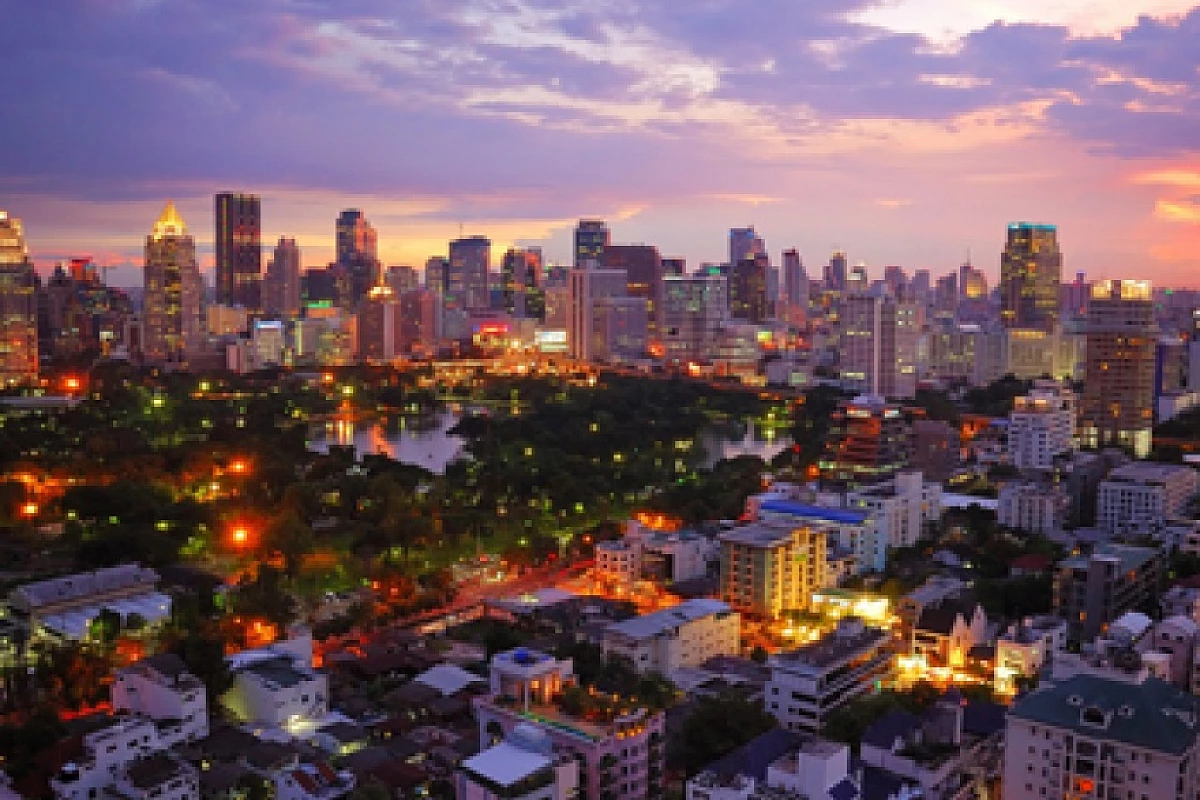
<point>29,509</point>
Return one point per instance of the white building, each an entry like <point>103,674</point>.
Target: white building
<point>1091,737</point>
<point>1023,649</point>
<point>107,753</point>
<point>1033,507</point>
<point>816,769</point>
<point>65,607</point>
<point>685,635</point>
<point>312,780</point>
<point>1041,426</point>
<point>643,553</point>
<point>1141,497</point>
<point>1182,601</point>
<point>161,688</point>
<point>810,682</point>
<point>523,766</point>
<point>1176,639</point>
<point>159,777</point>
<point>900,507</point>
<point>276,687</point>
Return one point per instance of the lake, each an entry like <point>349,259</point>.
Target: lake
<point>428,443</point>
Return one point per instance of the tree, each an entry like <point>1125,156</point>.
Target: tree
<point>717,726</point>
<point>759,654</point>
<point>294,540</point>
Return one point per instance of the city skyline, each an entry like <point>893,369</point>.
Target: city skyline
<point>888,132</point>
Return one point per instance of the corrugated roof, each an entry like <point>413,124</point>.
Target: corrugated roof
<point>656,622</point>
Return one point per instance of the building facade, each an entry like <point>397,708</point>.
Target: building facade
<point>281,286</point>
<point>173,292</point>
<point>685,635</point>
<point>1142,497</point>
<point>1117,406</point>
<point>1030,272</point>
<point>238,246</point>
<point>772,566</point>
<point>18,306</point>
<point>1091,592</point>
<point>1041,426</point>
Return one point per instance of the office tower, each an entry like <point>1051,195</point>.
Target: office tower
<point>319,287</point>
<point>835,273</point>
<point>18,306</point>
<point>972,283</point>
<point>379,331</point>
<point>357,260</point>
<point>693,309</point>
<point>945,296</point>
<point>748,297</point>
<point>65,314</point>
<point>921,287</point>
<point>239,250</point>
<point>643,266</point>
<point>896,280</point>
<point>856,279</point>
<point>744,243</point>
<point>795,289</point>
<point>467,278</point>
<point>867,443</point>
<point>173,288</point>
<point>879,345</point>
<point>1117,407</point>
<point>591,238</point>
<point>420,320</point>
<point>588,290</point>
<point>1076,297</point>
<point>402,278</point>
<point>674,266</point>
<point>1030,271</point>
<point>281,286</point>
<point>521,280</point>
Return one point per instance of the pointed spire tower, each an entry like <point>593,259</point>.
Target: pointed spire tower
<point>169,223</point>
<point>171,304</point>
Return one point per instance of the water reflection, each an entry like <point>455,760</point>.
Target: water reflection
<point>422,442</point>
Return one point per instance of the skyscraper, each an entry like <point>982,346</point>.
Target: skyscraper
<point>1030,271</point>
<point>281,287</point>
<point>879,345</point>
<point>1117,407</point>
<point>591,237</point>
<point>835,273</point>
<point>357,262</point>
<point>744,243</point>
<point>748,298</point>
<point>521,280</point>
<point>173,288</point>
<point>18,306</point>
<point>470,262</point>
<point>239,250</point>
<point>795,288</point>
<point>643,265</point>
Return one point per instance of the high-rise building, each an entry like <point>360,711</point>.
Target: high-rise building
<point>281,286</point>
<point>1092,591</point>
<point>588,288</point>
<point>693,309</point>
<point>521,281</point>
<point>591,238</point>
<point>744,243</point>
<point>1030,271</point>
<point>470,261</point>
<point>795,289</point>
<point>1117,407</point>
<point>644,267</point>
<point>879,345</point>
<point>896,280</point>
<point>1041,426</point>
<point>357,264</point>
<point>835,273</point>
<point>748,298</point>
<point>18,306</point>
<point>972,283</point>
<point>239,250</point>
<point>772,567</point>
<point>867,443</point>
<point>173,289</point>
<point>379,334</point>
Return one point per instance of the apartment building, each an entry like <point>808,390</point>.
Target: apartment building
<point>810,682</point>
<point>1141,497</point>
<point>620,752</point>
<point>1041,426</point>
<point>1025,647</point>
<point>772,566</point>
<point>685,635</point>
<point>1089,737</point>
<point>1092,591</point>
<point>277,688</point>
<point>161,688</point>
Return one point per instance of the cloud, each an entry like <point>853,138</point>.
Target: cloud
<point>1179,210</point>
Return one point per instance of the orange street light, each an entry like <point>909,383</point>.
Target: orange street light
<point>238,466</point>
<point>240,535</point>
<point>29,509</point>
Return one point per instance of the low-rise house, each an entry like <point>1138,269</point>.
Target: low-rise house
<point>524,766</point>
<point>276,690</point>
<point>684,635</point>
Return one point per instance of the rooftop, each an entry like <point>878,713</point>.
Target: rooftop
<point>767,533</point>
<point>657,622</point>
<point>448,679</point>
<point>1146,472</point>
<point>84,585</point>
<point>1130,557</point>
<point>280,671</point>
<point>753,758</point>
<point>154,771</point>
<point>802,511</point>
<point>1152,715</point>
<point>846,641</point>
<point>526,751</point>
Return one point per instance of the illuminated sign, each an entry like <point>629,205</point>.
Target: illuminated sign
<point>492,329</point>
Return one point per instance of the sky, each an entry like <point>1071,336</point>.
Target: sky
<point>903,132</point>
